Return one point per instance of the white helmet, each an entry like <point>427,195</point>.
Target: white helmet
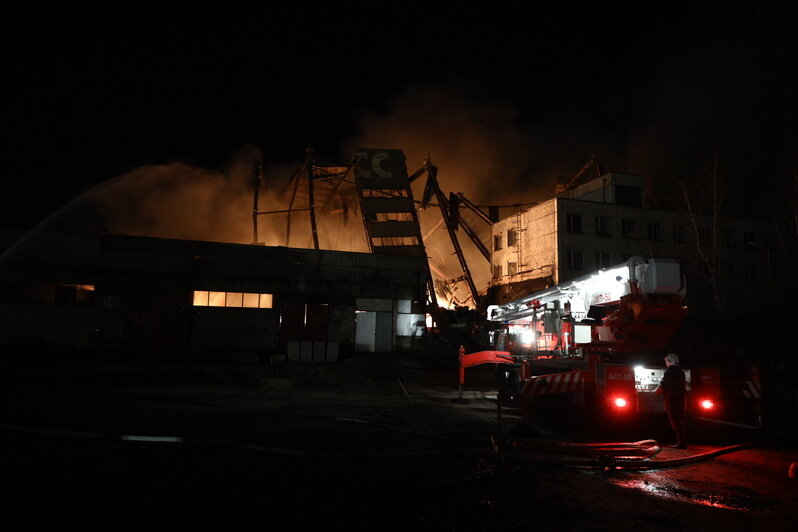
<point>672,358</point>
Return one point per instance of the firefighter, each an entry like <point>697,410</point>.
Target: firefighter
<point>672,386</point>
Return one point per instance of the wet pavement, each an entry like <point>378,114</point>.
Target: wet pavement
<point>238,444</point>
<point>749,480</point>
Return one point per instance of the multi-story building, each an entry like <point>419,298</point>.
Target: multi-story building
<point>605,221</point>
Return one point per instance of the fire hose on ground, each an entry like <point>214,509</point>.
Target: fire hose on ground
<point>609,456</point>
<point>604,456</point>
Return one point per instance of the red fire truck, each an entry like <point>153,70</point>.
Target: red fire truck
<point>598,340</point>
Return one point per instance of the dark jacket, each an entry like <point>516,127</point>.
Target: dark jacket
<point>674,387</point>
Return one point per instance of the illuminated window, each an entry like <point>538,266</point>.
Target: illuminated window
<point>234,299</point>
<point>251,300</point>
<point>200,298</point>
<point>265,301</point>
<point>204,298</point>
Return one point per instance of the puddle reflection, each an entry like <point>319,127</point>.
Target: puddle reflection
<point>658,486</point>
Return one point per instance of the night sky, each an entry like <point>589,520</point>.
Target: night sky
<point>91,94</point>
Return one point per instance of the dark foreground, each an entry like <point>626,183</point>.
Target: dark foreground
<point>372,442</point>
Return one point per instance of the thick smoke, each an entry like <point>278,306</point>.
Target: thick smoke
<point>184,201</point>
<point>174,200</point>
<point>481,149</point>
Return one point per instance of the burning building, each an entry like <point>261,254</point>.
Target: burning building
<point>176,296</point>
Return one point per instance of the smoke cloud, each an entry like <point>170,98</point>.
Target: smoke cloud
<point>481,148</point>
<point>174,200</point>
<point>185,201</point>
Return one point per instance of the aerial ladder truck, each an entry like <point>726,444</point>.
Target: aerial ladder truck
<point>597,340</point>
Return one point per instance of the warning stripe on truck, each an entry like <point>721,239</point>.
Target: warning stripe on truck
<point>556,383</point>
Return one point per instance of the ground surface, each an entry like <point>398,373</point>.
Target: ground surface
<point>371,441</point>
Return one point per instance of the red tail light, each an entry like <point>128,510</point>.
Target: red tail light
<point>706,404</point>
<point>620,402</point>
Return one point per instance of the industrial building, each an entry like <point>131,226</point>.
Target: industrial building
<point>193,300</point>
<point>608,219</point>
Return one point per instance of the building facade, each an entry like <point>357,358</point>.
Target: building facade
<point>193,300</point>
<point>605,221</point>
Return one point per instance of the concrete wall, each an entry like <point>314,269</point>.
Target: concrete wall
<point>536,253</point>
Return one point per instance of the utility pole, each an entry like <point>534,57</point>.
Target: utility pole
<point>312,203</point>
<point>258,181</point>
